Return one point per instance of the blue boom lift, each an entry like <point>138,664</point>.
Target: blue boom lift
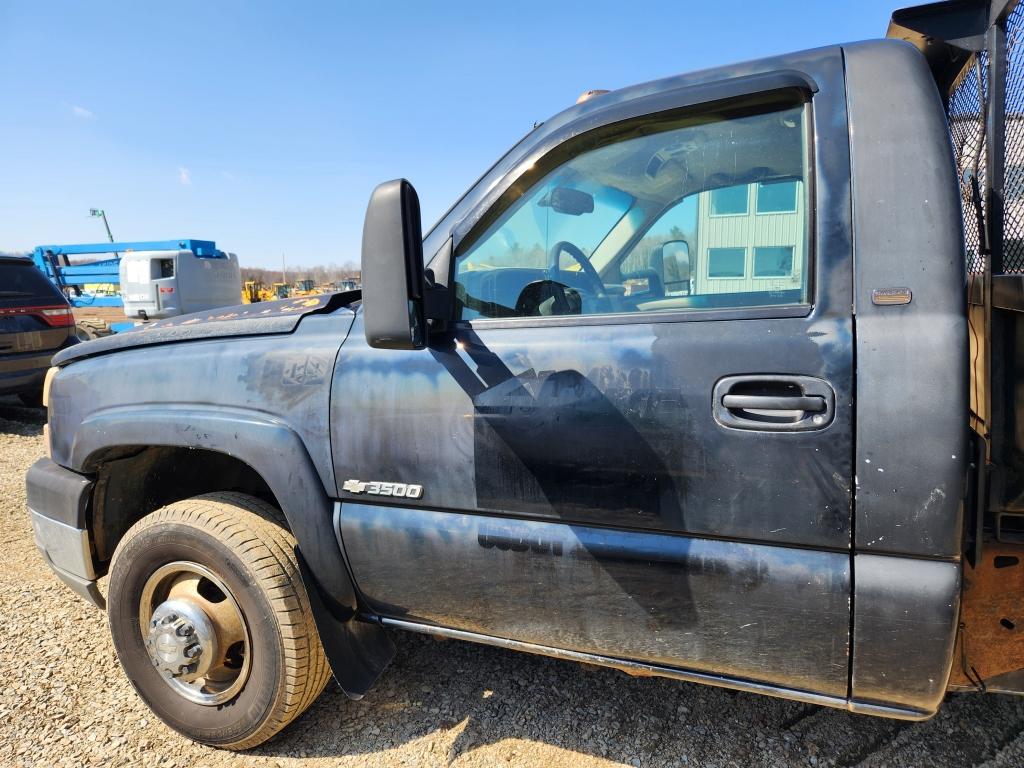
<point>154,279</point>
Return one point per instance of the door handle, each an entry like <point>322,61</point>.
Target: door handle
<point>814,404</point>
<point>773,402</point>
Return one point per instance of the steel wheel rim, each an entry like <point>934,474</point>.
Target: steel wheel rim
<point>182,582</point>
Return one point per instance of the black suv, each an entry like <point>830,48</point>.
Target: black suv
<point>35,322</point>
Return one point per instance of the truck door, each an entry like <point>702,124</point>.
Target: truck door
<point>635,440</point>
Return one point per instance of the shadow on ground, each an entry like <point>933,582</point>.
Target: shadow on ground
<point>17,419</point>
<point>457,697</point>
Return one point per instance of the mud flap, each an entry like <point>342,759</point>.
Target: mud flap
<point>357,650</point>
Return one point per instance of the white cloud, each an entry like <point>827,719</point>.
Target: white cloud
<point>184,176</point>
<point>82,112</point>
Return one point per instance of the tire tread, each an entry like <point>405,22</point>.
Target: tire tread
<point>255,531</point>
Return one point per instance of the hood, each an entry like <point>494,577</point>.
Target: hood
<point>268,317</point>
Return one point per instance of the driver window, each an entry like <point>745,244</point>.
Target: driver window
<point>697,213</point>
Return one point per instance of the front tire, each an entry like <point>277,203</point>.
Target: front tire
<point>211,622</point>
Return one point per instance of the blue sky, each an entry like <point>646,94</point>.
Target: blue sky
<point>264,126</point>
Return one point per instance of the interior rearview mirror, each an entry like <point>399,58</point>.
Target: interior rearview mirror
<point>572,202</point>
<point>392,269</point>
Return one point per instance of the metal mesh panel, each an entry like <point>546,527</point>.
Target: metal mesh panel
<point>967,128</point>
<point>1013,182</point>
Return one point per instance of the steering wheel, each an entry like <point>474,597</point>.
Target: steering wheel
<point>578,256</point>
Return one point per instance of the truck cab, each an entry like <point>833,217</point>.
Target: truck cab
<point>691,383</point>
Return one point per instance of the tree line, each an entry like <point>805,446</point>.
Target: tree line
<point>319,274</point>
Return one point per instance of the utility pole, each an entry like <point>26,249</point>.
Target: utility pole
<point>284,272</point>
<point>100,213</point>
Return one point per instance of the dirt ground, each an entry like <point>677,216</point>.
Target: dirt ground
<point>64,700</point>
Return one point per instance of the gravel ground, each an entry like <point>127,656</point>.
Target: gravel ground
<point>64,701</point>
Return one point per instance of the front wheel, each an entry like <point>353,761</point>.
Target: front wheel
<point>211,622</point>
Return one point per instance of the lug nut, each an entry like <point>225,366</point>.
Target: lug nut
<point>193,650</point>
<point>170,618</point>
<point>185,630</point>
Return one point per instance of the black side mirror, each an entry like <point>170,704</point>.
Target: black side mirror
<point>392,269</point>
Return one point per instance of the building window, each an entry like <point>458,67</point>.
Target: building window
<point>727,262</point>
<point>776,197</point>
<point>1013,187</point>
<point>773,261</point>
<point>729,201</point>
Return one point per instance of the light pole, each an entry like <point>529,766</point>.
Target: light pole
<point>101,214</point>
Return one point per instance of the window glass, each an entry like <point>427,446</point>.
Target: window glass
<point>19,279</point>
<point>639,224</point>
<point>727,262</point>
<point>773,261</point>
<point>777,197</point>
<point>665,248</point>
<point>729,201</point>
<point>1014,183</point>
<point>524,239</point>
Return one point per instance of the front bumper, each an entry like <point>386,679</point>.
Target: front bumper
<point>57,503</point>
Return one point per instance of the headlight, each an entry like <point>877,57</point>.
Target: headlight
<point>46,385</point>
<point>46,402</point>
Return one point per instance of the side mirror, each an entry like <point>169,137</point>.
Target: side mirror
<point>392,269</point>
<point>675,267</point>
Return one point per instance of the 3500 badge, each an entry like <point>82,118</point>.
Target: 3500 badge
<point>398,490</point>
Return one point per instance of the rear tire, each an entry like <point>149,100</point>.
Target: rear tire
<point>241,543</point>
<point>92,328</point>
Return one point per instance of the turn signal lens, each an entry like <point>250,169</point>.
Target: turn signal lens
<point>46,384</point>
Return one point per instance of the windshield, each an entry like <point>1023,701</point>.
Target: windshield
<point>526,234</point>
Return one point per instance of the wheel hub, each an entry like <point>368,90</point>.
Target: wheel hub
<point>194,633</point>
<point>181,640</point>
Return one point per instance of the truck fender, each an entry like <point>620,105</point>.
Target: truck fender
<point>358,651</point>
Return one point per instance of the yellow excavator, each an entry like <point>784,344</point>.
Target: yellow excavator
<point>305,288</point>
<point>254,291</point>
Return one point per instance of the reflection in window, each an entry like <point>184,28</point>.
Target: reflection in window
<point>659,220</point>
<point>729,201</point>
<point>773,261</point>
<point>776,197</point>
<point>727,262</point>
<point>1014,184</point>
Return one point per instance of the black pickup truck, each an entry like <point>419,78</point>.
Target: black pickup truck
<point>713,377</point>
